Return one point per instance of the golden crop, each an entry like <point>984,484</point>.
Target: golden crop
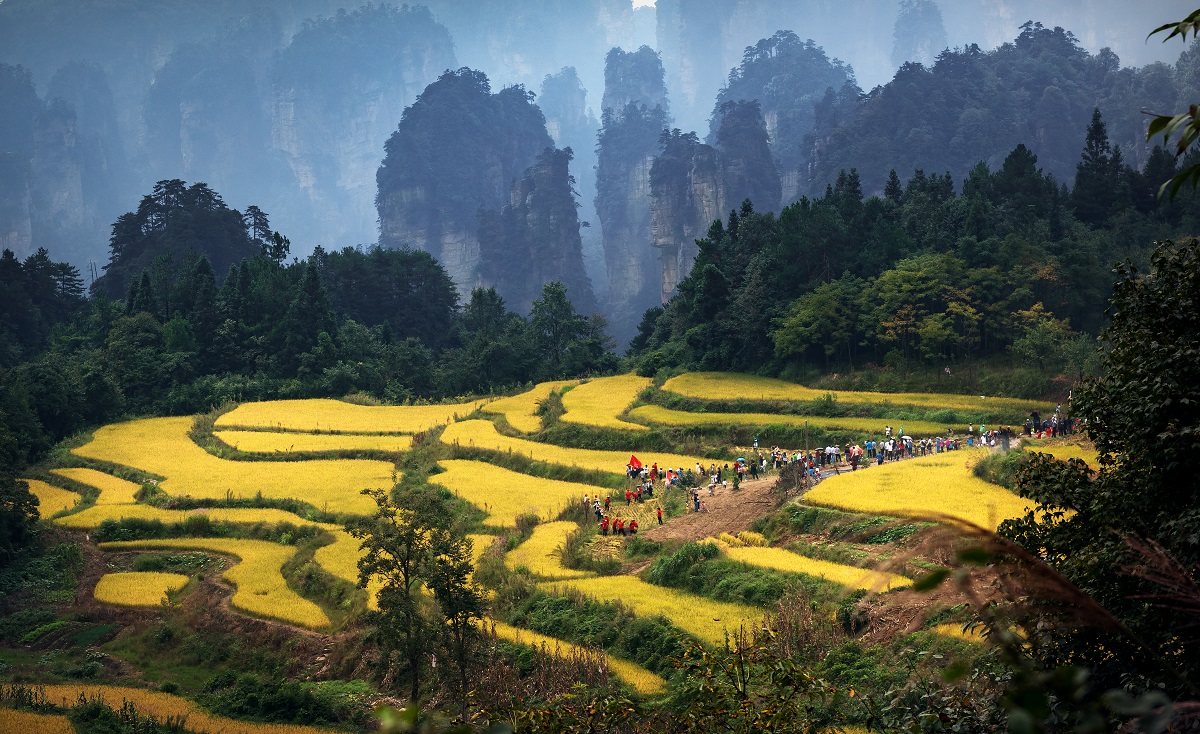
<point>599,401</point>
<point>261,588</point>
<point>667,417</point>
<point>51,499</point>
<point>922,487</point>
<point>505,494</point>
<point>113,490</point>
<point>161,446</point>
<point>1066,451</point>
<point>27,722</point>
<point>91,517</point>
<point>540,554</point>
<point>851,576</point>
<point>164,705</point>
<point>321,415</point>
<point>483,434</point>
<point>955,630</point>
<point>138,588</point>
<point>731,540</point>
<point>732,386</point>
<point>640,679</point>
<point>706,619</point>
<point>749,537</point>
<point>270,442</point>
<point>521,410</point>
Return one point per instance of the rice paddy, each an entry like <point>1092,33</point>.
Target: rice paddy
<point>319,415</point>
<point>505,494</point>
<point>955,630</point>
<point>483,435</point>
<point>599,401</point>
<point>138,588</point>
<point>1066,451</point>
<point>848,576</point>
<point>161,446</point>
<point>261,588</point>
<point>341,557</point>
<point>113,490</point>
<point>708,620</point>
<point>91,517</point>
<point>271,442</point>
<point>27,722</point>
<point>732,386</point>
<point>521,410</point>
<point>540,554</point>
<point>638,678</point>
<point>938,484</point>
<point>51,500</point>
<point>658,415</point>
<point>161,706</point>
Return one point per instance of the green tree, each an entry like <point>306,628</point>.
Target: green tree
<point>554,325</point>
<point>1095,189</point>
<point>1141,414</point>
<point>18,516</point>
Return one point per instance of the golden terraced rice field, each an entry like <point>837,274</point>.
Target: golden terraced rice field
<point>323,415</point>
<point>483,434</point>
<point>540,554</point>
<point>91,517</point>
<point>137,588</point>
<point>659,415</point>
<point>924,486</point>
<point>1063,452</point>
<point>732,386</point>
<point>261,589</point>
<point>271,442</point>
<point>955,630</point>
<point>164,705</point>
<point>161,446</point>
<point>521,410</point>
<point>638,678</point>
<point>113,490</point>
<point>505,494</point>
<point>599,401</point>
<point>27,722</point>
<point>849,576</point>
<point>51,499</point>
<point>704,618</point>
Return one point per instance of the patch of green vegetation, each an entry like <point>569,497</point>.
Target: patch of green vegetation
<point>48,575</point>
<point>36,634</point>
<point>1001,468</point>
<point>254,697</point>
<point>93,634</point>
<point>698,568</point>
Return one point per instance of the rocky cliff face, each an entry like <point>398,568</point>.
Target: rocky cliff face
<point>628,141</point>
<point>686,196</point>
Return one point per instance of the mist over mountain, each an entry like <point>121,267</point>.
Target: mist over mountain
<point>289,106</point>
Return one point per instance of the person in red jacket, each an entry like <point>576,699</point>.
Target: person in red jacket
<point>620,526</point>
<point>604,526</point>
<point>659,513</point>
<point>607,502</point>
<point>633,527</point>
<point>629,497</point>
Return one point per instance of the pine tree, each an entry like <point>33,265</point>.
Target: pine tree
<point>1096,175</point>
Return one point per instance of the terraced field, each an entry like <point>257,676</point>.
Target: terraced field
<point>271,442</point>
<point>540,554</point>
<point>138,588</point>
<point>161,446</point>
<point>599,401</point>
<point>927,486</point>
<point>483,435</point>
<point>521,410</point>
<point>261,588</point>
<point>1063,452</point>
<point>505,494</point>
<point>51,500</point>
<point>318,415</point>
<point>658,415</point>
<point>91,517</point>
<point>849,576</point>
<point>731,386</point>
<point>113,490</point>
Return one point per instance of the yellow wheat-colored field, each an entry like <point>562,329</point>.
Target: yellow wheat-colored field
<point>540,554</point>
<point>270,442</point>
<point>732,386</point>
<point>164,705</point>
<point>483,434</point>
<point>505,494</point>
<point>161,446</point>
<point>91,517</point>
<point>51,499</point>
<point>113,490</point>
<point>955,630</point>
<point>27,722</point>
<point>749,537</point>
<point>261,588</point>
<point>138,588</point>
<point>638,678</point>
<point>925,486</point>
<point>659,415</point>
<point>850,576</point>
<point>598,402</point>
<point>521,410</point>
<point>706,619</point>
<point>322,415</point>
<point>1066,451</point>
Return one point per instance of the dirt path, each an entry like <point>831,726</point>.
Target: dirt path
<point>728,512</point>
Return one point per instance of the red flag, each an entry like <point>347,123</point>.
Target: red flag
<point>633,461</point>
